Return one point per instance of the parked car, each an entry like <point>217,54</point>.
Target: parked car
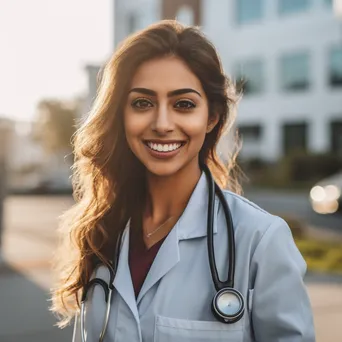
<point>326,195</point>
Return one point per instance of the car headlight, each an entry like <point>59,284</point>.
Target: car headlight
<point>325,199</point>
<point>332,192</point>
<point>327,193</point>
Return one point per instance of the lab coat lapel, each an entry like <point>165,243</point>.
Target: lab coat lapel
<point>166,258</point>
<point>192,224</point>
<point>123,280</point>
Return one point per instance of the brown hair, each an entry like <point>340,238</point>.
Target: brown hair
<point>107,176</point>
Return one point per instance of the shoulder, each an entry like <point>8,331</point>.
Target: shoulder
<point>252,223</point>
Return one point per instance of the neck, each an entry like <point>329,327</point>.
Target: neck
<point>167,196</point>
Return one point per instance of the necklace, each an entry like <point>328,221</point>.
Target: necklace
<point>148,235</point>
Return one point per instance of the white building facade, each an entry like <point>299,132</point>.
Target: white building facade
<point>288,54</point>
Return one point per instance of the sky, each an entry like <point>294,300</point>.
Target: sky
<point>44,48</point>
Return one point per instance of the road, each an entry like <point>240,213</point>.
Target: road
<point>29,244</point>
<point>294,205</point>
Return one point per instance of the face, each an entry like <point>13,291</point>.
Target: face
<point>166,116</point>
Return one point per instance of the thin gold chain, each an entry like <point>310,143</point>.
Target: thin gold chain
<point>159,227</point>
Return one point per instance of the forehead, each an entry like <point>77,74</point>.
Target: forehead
<point>165,74</point>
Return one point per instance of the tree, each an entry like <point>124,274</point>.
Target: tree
<point>56,124</point>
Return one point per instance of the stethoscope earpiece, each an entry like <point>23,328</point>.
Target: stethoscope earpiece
<point>228,305</point>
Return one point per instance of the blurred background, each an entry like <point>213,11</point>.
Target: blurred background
<point>286,57</point>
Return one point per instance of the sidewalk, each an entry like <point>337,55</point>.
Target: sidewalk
<point>24,315</point>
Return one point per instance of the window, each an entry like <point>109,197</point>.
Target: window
<point>249,77</point>
<point>294,137</point>
<point>335,67</point>
<point>250,132</point>
<point>293,6</point>
<point>336,137</point>
<point>248,10</point>
<point>294,71</point>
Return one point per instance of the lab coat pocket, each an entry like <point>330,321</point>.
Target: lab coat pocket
<point>181,330</point>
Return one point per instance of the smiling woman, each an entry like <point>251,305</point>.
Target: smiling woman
<point>149,212</point>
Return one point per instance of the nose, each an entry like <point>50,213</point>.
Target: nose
<point>163,121</point>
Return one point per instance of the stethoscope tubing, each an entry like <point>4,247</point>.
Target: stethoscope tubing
<point>215,189</point>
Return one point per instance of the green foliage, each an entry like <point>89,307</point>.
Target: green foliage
<point>55,124</point>
<point>301,166</point>
<point>321,256</point>
<point>299,170</point>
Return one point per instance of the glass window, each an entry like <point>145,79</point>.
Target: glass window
<point>249,77</point>
<point>336,137</point>
<point>295,137</point>
<point>293,6</point>
<point>294,71</point>
<point>335,67</point>
<point>250,132</point>
<point>248,10</point>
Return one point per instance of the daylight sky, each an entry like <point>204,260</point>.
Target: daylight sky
<point>44,47</point>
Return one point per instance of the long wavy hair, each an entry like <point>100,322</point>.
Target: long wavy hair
<point>107,177</point>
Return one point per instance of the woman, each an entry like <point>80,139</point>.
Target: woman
<point>162,107</point>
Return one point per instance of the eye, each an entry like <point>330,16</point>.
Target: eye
<point>185,105</point>
<point>141,104</point>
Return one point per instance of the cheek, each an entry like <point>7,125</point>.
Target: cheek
<point>196,128</point>
<point>132,126</point>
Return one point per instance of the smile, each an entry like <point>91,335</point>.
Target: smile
<point>158,147</point>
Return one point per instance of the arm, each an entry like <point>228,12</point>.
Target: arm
<point>281,307</point>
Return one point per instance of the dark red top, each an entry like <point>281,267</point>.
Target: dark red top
<point>140,258</point>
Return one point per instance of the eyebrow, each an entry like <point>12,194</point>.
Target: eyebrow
<point>169,94</point>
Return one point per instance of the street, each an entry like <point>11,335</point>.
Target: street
<point>295,205</point>
<point>29,243</point>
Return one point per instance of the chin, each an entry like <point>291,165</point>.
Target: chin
<point>163,169</point>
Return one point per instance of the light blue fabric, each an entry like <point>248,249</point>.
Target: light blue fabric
<point>174,304</point>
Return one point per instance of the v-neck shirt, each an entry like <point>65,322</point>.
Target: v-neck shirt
<point>140,258</point>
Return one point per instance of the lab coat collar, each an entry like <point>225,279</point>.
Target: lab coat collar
<point>193,222</point>
<point>166,258</point>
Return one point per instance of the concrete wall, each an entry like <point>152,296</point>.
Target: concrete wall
<point>315,31</point>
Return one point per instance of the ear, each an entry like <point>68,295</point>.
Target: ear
<point>212,122</point>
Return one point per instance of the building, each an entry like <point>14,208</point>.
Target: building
<point>285,54</point>
<point>28,167</point>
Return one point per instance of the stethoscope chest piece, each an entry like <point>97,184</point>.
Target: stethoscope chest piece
<point>228,305</point>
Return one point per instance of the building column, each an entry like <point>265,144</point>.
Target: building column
<point>271,140</point>
<point>319,134</point>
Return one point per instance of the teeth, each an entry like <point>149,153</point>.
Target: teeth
<point>163,147</point>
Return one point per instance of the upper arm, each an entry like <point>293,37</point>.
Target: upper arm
<point>281,307</point>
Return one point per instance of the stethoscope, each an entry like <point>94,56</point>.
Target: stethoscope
<point>228,303</point>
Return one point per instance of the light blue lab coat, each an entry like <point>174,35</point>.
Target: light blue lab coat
<point>174,304</point>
